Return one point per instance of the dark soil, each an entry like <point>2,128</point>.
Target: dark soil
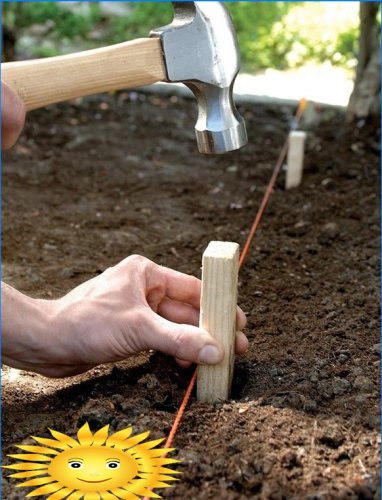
<point>93,181</point>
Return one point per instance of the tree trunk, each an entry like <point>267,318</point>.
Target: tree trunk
<point>9,45</point>
<point>365,99</point>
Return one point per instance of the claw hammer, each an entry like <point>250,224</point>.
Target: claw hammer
<point>199,48</point>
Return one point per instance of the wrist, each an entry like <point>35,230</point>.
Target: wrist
<point>35,337</point>
<point>25,327</point>
<point>40,335</point>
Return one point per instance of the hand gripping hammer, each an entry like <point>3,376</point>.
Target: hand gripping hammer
<point>199,48</point>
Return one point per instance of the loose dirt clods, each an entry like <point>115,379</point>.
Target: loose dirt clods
<point>303,420</point>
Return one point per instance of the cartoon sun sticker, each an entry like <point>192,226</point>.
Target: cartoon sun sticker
<point>95,467</point>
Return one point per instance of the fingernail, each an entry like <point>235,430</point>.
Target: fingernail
<point>209,355</point>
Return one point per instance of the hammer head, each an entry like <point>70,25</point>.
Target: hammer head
<point>201,50</point>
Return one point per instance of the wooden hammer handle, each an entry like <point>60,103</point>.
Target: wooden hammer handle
<point>40,82</point>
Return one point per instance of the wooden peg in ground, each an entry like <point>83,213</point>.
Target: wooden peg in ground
<point>295,160</point>
<point>218,316</point>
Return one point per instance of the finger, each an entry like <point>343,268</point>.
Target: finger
<point>183,313</point>
<point>183,364</point>
<point>184,288</point>
<point>241,344</point>
<point>240,348</point>
<point>12,116</point>
<point>186,342</point>
<point>178,312</point>
<point>241,319</point>
<point>179,286</point>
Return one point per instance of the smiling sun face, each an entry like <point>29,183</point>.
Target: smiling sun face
<point>95,467</point>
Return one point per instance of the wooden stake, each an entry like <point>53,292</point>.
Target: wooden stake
<point>295,159</point>
<point>218,316</point>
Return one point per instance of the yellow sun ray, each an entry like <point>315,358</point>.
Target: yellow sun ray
<point>85,436</point>
<point>124,494</point>
<point>107,495</point>
<point>159,484</point>
<point>119,436</point>
<point>166,461</point>
<point>140,487</point>
<point>51,442</point>
<point>64,439</point>
<point>27,466</point>
<point>161,470</point>
<point>45,490</point>
<point>160,477</point>
<point>63,493</point>
<point>149,482</point>
<point>92,496</point>
<point>76,495</point>
<point>37,449</point>
<point>129,443</point>
<point>38,481</point>
<point>100,436</point>
<point>151,453</point>
<point>150,444</point>
<point>143,471</point>
<point>31,457</point>
<point>29,473</point>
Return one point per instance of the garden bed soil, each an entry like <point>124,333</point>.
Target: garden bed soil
<point>95,180</point>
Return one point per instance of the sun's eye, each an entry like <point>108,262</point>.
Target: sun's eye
<point>75,465</point>
<point>113,465</point>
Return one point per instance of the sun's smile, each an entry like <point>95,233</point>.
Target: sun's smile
<point>134,466</point>
<point>100,481</point>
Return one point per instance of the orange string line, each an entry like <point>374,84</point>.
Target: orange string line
<point>179,415</point>
<point>300,110</point>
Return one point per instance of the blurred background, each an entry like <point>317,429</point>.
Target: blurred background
<point>288,49</point>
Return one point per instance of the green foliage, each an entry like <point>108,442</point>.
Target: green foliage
<point>317,31</point>
<point>271,34</point>
<point>347,43</point>
<point>66,23</point>
<point>43,51</point>
<point>143,18</point>
<point>254,22</point>
<point>20,14</point>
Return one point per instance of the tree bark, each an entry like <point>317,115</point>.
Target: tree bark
<point>365,99</point>
<point>9,44</point>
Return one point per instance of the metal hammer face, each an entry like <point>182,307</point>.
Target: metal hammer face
<point>201,50</point>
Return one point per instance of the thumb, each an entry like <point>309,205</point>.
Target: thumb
<point>185,342</point>
<point>12,116</point>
